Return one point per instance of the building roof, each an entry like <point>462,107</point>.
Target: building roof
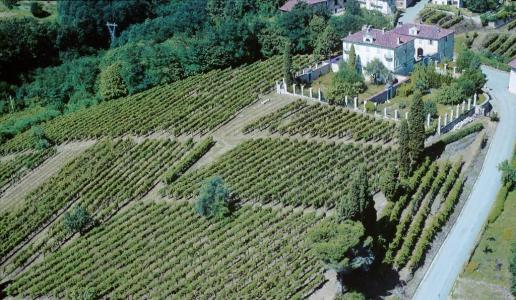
<point>381,38</point>
<point>289,5</point>
<point>430,32</point>
<point>512,64</point>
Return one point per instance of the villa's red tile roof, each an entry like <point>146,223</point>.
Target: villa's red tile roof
<point>289,5</point>
<point>385,39</point>
<point>512,64</point>
<point>424,31</point>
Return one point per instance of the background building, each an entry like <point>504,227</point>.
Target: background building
<point>403,4</point>
<point>395,51</point>
<point>386,7</point>
<point>335,6</point>
<point>457,3</point>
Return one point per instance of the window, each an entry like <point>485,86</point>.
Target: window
<point>430,42</point>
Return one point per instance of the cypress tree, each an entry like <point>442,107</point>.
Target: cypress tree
<point>287,63</point>
<point>389,182</point>
<point>357,203</point>
<point>352,61</point>
<point>416,122</point>
<point>403,150</point>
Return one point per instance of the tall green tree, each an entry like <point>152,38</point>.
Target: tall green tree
<point>214,199</point>
<point>9,3</point>
<point>111,83</point>
<point>287,63</point>
<point>404,149</point>
<point>389,181</point>
<point>327,42</point>
<point>352,61</point>
<point>358,203</point>
<point>346,82</point>
<point>416,122</point>
<point>378,72</point>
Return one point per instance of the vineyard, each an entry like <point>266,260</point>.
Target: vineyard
<point>502,44</point>
<point>416,226</point>
<point>195,105</point>
<point>438,17</point>
<point>297,173</point>
<point>167,251</point>
<point>324,121</point>
<point>12,170</point>
<point>101,180</point>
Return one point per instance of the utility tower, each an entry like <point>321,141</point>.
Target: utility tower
<point>112,31</point>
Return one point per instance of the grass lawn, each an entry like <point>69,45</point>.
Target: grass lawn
<point>490,262</point>
<point>324,83</point>
<point>22,9</point>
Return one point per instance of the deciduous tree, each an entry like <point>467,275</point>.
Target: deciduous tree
<point>77,220</point>
<point>112,84</point>
<point>214,199</point>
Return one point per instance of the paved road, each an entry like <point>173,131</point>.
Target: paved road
<point>409,16</point>
<point>454,253</point>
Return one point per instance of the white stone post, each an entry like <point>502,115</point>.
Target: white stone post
<point>439,125</point>
<point>469,104</point>
<point>277,88</point>
<point>319,94</point>
<point>356,103</point>
<point>385,112</point>
<point>475,99</point>
<point>294,89</point>
<point>428,120</point>
<point>436,65</point>
<point>346,100</point>
<point>463,106</point>
<point>445,68</point>
<point>285,84</point>
<point>311,96</point>
<point>457,111</point>
<point>302,90</point>
<point>445,119</point>
<point>406,115</point>
<point>395,114</point>
<point>365,102</point>
<point>451,115</point>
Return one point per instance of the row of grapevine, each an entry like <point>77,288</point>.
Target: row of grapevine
<point>411,207</point>
<point>195,105</point>
<point>101,180</point>
<point>288,171</point>
<point>451,196</point>
<point>167,251</point>
<point>325,121</point>
<point>14,169</point>
<point>503,44</point>
<point>418,221</point>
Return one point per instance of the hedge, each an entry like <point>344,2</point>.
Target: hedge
<point>498,206</point>
<point>463,132</point>
<point>186,162</point>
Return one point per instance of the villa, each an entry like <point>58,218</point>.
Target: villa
<point>512,79</point>
<point>430,41</point>
<point>394,50</point>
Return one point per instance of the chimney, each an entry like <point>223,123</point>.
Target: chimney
<point>399,41</point>
<point>383,30</point>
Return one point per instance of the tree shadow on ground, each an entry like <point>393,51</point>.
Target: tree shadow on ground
<point>375,284</point>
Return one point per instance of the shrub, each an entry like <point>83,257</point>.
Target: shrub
<point>36,9</point>
<point>405,90</point>
<point>214,199</point>
<point>111,84</point>
<point>77,220</point>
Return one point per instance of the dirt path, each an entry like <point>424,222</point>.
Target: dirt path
<point>330,289</point>
<point>15,194</point>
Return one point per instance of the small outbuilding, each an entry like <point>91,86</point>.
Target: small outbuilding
<point>512,78</point>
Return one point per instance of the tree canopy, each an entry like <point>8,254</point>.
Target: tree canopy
<point>346,82</point>
<point>214,199</point>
